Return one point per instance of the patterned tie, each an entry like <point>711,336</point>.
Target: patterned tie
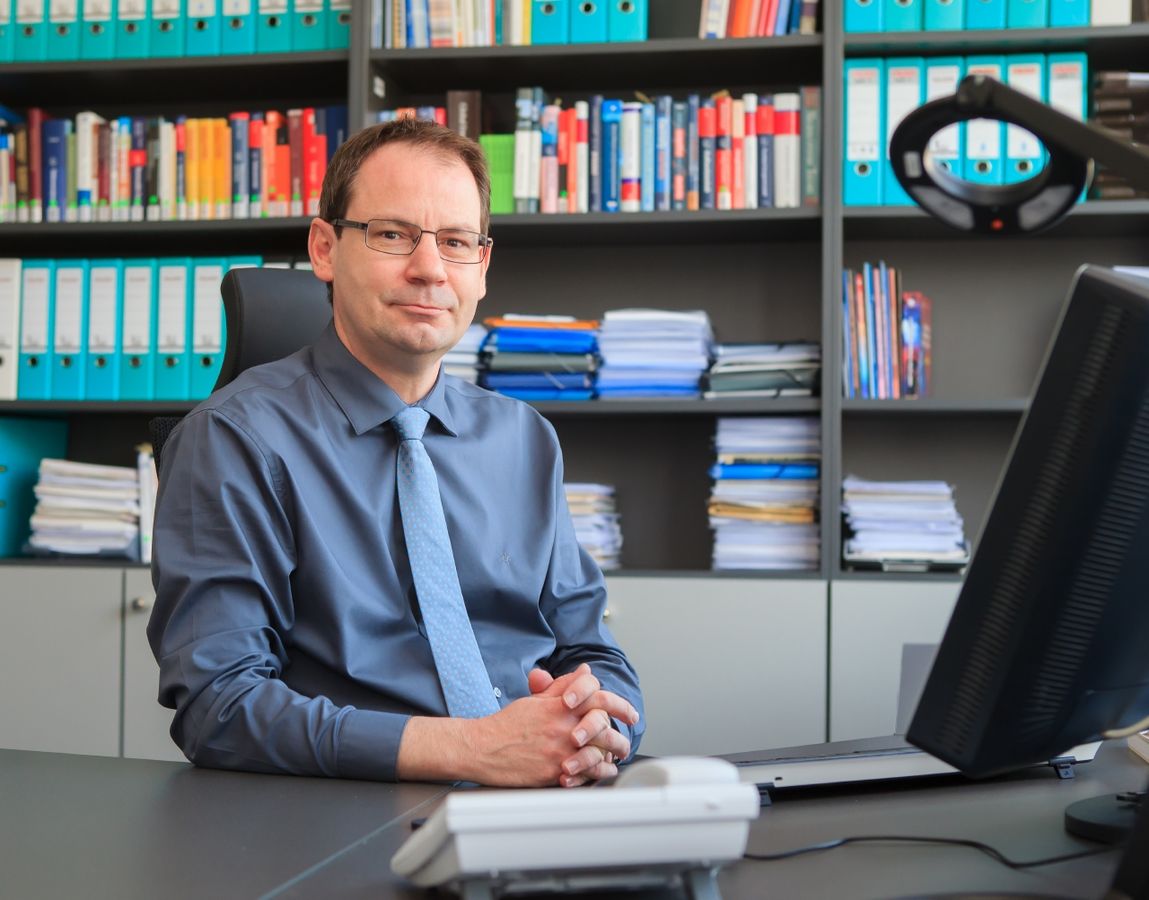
<point>462,673</point>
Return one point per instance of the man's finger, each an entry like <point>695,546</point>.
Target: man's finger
<point>614,706</point>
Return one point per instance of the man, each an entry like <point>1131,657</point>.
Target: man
<point>295,631</point>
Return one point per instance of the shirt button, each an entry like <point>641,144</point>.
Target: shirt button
<point>498,693</point>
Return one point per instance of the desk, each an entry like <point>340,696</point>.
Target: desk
<point>93,827</point>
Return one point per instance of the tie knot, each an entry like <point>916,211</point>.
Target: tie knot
<point>411,423</point>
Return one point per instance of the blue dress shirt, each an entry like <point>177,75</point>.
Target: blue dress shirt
<point>286,624</point>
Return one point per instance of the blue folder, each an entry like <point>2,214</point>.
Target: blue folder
<point>864,109</point>
<point>943,75</point>
<point>138,330</point>
<point>105,306</point>
<point>34,381</point>
<point>63,40</point>
<point>309,25</point>
<point>985,138</point>
<point>984,14</point>
<point>168,23</point>
<point>742,471</point>
<point>206,325</point>
<point>902,15</point>
<point>863,15</point>
<point>1068,13</point>
<point>133,29</point>
<point>98,32</point>
<point>550,21</point>
<point>7,30</point>
<point>943,15</point>
<point>237,27</point>
<point>548,381</point>
<point>23,443</point>
<point>626,20</point>
<point>173,351</point>
<point>588,21</point>
<point>29,40</point>
<point>339,25</point>
<point>203,28</point>
<point>273,26</point>
<point>905,92</point>
<point>541,340</point>
<point>69,330</point>
<point>1024,153</point>
<point>1027,13</point>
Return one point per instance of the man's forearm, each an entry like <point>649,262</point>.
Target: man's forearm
<point>436,749</point>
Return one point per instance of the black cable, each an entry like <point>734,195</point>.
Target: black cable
<point>957,842</point>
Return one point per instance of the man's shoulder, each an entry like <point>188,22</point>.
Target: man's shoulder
<point>492,408</point>
<point>263,390</point>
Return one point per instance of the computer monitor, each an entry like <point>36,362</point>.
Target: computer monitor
<point>1048,645</point>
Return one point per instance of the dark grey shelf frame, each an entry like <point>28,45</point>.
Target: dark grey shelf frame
<point>1094,218</point>
<point>930,406</point>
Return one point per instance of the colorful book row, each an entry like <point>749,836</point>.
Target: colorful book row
<point>757,18</point>
<point>133,168</point>
<point>980,15</point>
<point>720,152</point>
<point>112,329</point>
<point>64,30</point>
<point>400,24</point>
<point>886,336</point>
<point>879,93</point>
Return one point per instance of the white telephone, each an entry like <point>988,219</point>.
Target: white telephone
<point>671,819</point>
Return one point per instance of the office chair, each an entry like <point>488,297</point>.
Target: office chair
<point>270,314</point>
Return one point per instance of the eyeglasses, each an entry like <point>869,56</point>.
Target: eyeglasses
<point>401,238</point>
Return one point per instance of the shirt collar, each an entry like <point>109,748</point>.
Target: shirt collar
<point>365,399</point>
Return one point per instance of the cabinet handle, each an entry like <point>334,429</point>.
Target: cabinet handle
<point>142,604</point>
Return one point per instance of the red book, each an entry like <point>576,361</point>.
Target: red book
<point>563,153</point>
<point>723,163</point>
<point>569,125</point>
<point>738,24</point>
<point>255,167</point>
<point>314,163</point>
<point>36,119</point>
<point>767,8</point>
<point>771,19</point>
<point>295,141</point>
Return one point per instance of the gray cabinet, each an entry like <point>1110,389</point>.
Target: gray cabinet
<point>146,723</point>
<point>882,632</point>
<point>60,659</point>
<point>726,665</point>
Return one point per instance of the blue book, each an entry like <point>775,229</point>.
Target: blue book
<point>335,127</point>
<point>69,330</point>
<point>649,154</point>
<point>594,151</point>
<point>34,381</point>
<point>663,127</point>
<point>707,137</point>
<point>781,470</point>
<point>848,361</point>
<point>693,152</point>
<point>23,443</point>
<point>679,153</point>
<point>105,313</point>
<point>782,17</point>
<point>611,154</point>
<point>765,123</point>
<point>54,149</point>
<point>138,330</point>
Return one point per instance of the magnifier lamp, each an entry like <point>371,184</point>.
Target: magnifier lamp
<point>1023,207</point>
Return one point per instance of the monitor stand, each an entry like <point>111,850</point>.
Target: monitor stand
<point>1108,818</point>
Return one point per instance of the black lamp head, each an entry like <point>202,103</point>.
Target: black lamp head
<point>1022,207</point>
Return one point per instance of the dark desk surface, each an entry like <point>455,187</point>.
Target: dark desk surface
<point>78,826</point>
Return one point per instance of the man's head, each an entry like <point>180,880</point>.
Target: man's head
<point>395,308</point>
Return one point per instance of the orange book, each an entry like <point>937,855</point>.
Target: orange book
<point>222,169</point>
<point>739,24</point>
<point>191,168</point>
<point>273,126</point>
<point>528,321</point>
<point>314,163</point>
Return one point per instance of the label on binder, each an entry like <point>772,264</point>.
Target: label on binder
<point>863,124</point>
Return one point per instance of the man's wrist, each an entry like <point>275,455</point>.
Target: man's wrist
<point>437,749</point>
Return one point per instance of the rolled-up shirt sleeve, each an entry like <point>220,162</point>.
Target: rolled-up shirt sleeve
<point>224,557</point>
<point>573,603</point>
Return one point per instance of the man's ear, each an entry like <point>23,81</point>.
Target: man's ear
<point>322,247</point>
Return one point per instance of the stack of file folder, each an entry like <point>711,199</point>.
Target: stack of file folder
<point>763,507</point>
<point>463,360</point>
<point>538,358</point>
<point>653,353</point>
<point>596,521</point>
<point>86,510</point>
<point>902,526</point>
<point>764,370</point>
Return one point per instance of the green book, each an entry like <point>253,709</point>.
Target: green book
<point>500,151</point>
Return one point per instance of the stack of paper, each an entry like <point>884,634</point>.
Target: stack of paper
<point>86,510</point>
<point>541,357</point>
<point>902,525</point>
<point>764,370</point>
<point>763,507</point>
<point>653,353</point>
<point>596,521</point>
<point>462,360</point>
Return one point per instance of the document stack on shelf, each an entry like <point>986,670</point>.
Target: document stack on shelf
<point>463,359</point>
<point>653,353</point>
<point>902,526</point>
<point>86,510</point>
<point>540,357</point>
<point>596,521</point>
<point>763,507</point>
<point>1120,103</point>
<point>764,370</point>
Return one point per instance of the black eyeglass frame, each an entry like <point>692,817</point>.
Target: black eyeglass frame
<point>485,241</point>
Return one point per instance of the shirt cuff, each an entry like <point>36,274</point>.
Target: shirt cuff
<point>368,744</point>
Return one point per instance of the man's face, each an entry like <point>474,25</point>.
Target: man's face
<point>404,311</point>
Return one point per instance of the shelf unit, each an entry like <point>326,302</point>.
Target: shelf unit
<point>762,274</point>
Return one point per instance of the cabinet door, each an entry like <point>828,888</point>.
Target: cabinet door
<point>726,664</point>
<point>60,659</point>
<point>146,723</point>
<point>882,634</point>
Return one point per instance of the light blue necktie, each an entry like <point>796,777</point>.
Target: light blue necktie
<point>462,673</point>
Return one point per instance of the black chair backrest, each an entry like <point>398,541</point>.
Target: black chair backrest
<point>270,314</point>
